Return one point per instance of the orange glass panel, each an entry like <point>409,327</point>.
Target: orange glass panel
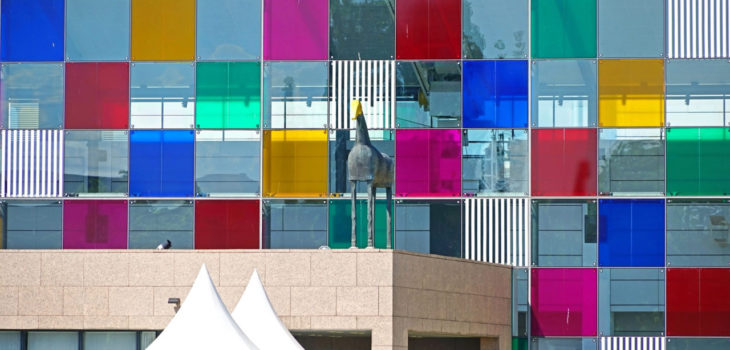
<point>163,30</point>
<point>295,163</point>
<point>630,93</point>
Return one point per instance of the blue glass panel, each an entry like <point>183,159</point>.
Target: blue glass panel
<point>161,163</point>
<point>495,94</point>
<point>97,30</point>
<point>631,232</point>
<point>31,30</point>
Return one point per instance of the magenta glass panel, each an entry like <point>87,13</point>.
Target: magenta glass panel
<point>564,302</point>
<point>95,224</point>
<point>295,29</point>
<point>428,163</point>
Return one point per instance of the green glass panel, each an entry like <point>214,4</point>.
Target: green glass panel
<point>519,343</point>
<point>228,95</point>
<point>564,28</point>
<point>340,224</point>
<point>697,161</point>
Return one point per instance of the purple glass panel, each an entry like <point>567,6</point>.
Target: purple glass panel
<point>428,163</point>
<point>564,302</point>
<point>295,29</point>
<point>95,224</point>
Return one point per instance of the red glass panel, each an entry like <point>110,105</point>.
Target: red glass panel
<point>698,302</point>
<point>428,29</point>
<point>97,95</point>
<point>227,224</point>
<point>564,162</point>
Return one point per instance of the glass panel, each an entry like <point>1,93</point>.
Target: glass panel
<point>229,29</point>
<point>520,304</point>
<point>563,29</point>
<point>96,162</point>
<point>495,94</point>
<point>146,338</point>
<point>630,93</point>
<point>295,163</point>
<point>295,95</point>
<point>31,225</point>
<point>631,161</point>
<point>631,232</point>
<point>698,233</point>
<point>295,30</point>
<point>32,30</point>
<point>97,30</point>
<point>340,224</point>
<point>362,29</point>
<point>97,95</point>
<point>153,222</point>
<point>564,344</point>
<point>110,340</point>
<point>495,161</point>
<point>171,39</point>
<point>696,162</point>
<point>340,144</point>
<point>520,343</point>
<point>428,94</point>
<point>564,233</point>
<point>495,29</point>
<point>295,224</point>
<point>53,341</point>
<point>161,163</point>
<point>227,224</point>
<point>429,162</point>
<point>698,302</point>
<point>227,163</point>
<point>697,92</point>
<point>698,343</point>
<point>435,235</point>
<point>563,302</point>
<point>31,95</point>
<point>564,162</point>
<point>564,93</point>
<point>10,340</point>
<point>631,302</point>
<point>228,95</point>
<point>163,95</point>
<point>95,224</point>
<point>629,28</point>
<point>428,29</point>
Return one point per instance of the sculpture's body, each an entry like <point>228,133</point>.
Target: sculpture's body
<point>366,163</point>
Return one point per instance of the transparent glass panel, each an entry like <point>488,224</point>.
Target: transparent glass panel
<point>227,163</point>
<point>53,340</point>
<point>428,227</point>
<point>161,163</point>
<point>628,28</point>
<point>163,95</point>
<point>95,224</point>
<point>146,338</point>
<point>564,93</point>
<point>495,29</point>
<point>698,343</point>
<point>697,161</point>
<point>31,95</point>
<point>428,94</point>
<point>631,302</point>
<point>697,92</point>
<point>362,29</point>
<point>295,30</point>
<point>563,302</point>
<point>171,39</point>
<point>429,162</point>
<point>631,232</point>
<point>96,162</point>
<point>631,161</point>
<point>228,29</point>
<point>520,304</point>
<point>563,29</point>
<point>340,224</point>
<point>630,93</point>
<point>564,344</point>
<point>31,225</point>
<point>295,163</point>
<point>564,233</point>
<point>340,144</point>
<point>153,222</point>
<point>698,233</point>
<point>295,95</point>
<point>32,30</point>
<point>97,30</point>
<point>10,340</point>
<point>228,95</point>
<point>295,224</point>
<point>495,162</point>
<point>495,94</point>
<point>110,340</point>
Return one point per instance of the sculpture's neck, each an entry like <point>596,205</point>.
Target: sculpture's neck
<point>362,137</point>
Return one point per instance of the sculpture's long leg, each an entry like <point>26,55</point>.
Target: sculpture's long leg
<point>353,242</point>
<point>371,213</point>
<point>388,198</point>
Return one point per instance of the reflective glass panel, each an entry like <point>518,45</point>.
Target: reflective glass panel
<point>628,28</point>
<point>630,93</point>
<point>564,302</point>
<point>163,30</point>
<point>495,161</point>
<point>564,233</point>
<point>110,340</point>
<point>295,29</point>
<point>163,95</point>
<point>697,162</point>
<point>340,144</point>
<point>31,95</point>
<point>520,304</point>
<point>362,29</point>
<point>564,344</point>
<point>429,162</point>
<point>428,29</point>
<point>32,30</point>
<point>631,161</point>
<point>495,29</point>
<point>95,224</point>
<point>495,94</point>
<point>631,302</point>
<point>697,92</point>
<point>295,224</point>
<point>153,222</point>
<point>228,95</point>
<point>698,343</point>
<point>563,28</point>
<point>631,232</point>
<point>53,340</point>
<point>97,95</point>
<point>228,29</point>
<point>698,302</point>
<point>31,225</point>
<point>161,163</point>
<point>428,94</point>
<point>295,95</point>
<point>564,93</point>
<point>97,30</point>
<point>698,232</point>
<point>10,340</point>
<point>227,224</point>
<point>563,162</point>
<point>227,163</point>
<point>428,227</point>
<point>340,224</point>
<point>96,162</point>
<point>295,163</point>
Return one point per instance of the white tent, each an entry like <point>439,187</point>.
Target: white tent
<point>257,318</point>
<point>203,322</point>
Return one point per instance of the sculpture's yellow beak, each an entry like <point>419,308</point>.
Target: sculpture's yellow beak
<point>355,108</point>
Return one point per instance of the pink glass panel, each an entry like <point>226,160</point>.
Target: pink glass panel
<point>95,224</point>
<point>564,302</point>
<point>428,163</point>
<point>295,29</point>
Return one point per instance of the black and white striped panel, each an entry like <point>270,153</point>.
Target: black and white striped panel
<point>372,82</point>
<point>31,163</point>
<point>496,230</point>
<point>698,28</point>
<point>632,343</point>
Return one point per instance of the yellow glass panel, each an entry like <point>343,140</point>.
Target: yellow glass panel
<point>630,93</point>
<point>295,163</point>
<point>163,30</point>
